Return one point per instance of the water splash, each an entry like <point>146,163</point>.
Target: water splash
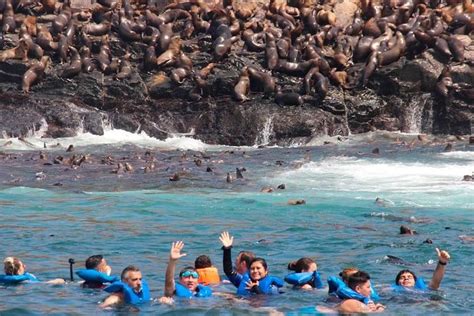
<point>263,138</point>
<point>412,118</point>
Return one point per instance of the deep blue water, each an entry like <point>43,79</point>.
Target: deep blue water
<point>340,225</point>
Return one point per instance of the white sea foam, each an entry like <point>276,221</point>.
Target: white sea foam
<point>394,180</point>
<point>468,155</point>
<point>112,137</point>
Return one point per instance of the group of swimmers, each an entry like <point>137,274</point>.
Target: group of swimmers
<point>352,290</point>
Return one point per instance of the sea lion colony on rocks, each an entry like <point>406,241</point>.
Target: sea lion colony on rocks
<point>301,39</point>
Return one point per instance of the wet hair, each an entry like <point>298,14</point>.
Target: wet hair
<point>12,265</point>
<point>188,268</point>
<point>357,278</point>
<point>93,261</point>
<point>202,262</point>
<point>247,257</point>
<point>399,275</point>
<point>300,264</point>
<point>264,263</point>
<point>347,272</point>
<point>127,270</point>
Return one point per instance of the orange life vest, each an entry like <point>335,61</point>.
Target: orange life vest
<point>208,276</point>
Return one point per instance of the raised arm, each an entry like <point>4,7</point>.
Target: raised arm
<point>112,299</point>
<point>227,242</point>
<point>438,274</point>
<point>175,254</point>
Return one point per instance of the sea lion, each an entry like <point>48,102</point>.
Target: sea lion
<point>125,68</point>
<point>34,73</point>
<point>86,60</point>
<point>63,48</point>
<point>9,23</point>
<point>242,88</point>
<point>169,56</point>
<point>394,53</point>
<point>30,25</point>
<point>456,47</point>
<point>254,41</point>
<point>125,30</point>
<point>75,67</point>
<point>45,39</point>
<point>288,98</point>
<point>271,52</point>
<point>261,81</point>
<point>18,52</point>
<point>62,20</point>
<point>96,29</point>
<point>369,68</point>
<point>34,49</point>
<point>321,83</point>
<point>103,58</point>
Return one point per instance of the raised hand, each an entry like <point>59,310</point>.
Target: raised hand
<point>443,255</point>
<point>226,239</point>
<point>176,248</point>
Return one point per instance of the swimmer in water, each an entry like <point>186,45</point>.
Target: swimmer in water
<point>408,279</point>
<point>131,277</point>
<point>188,285</point>
<point>98,263</point>
<point>306,265</point>
<point>360,283</point>
<point>14,266</point>
<point>208,274</point>
<point>258,281</point>
<point>242,262</point>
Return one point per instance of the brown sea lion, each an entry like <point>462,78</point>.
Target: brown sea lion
<point>261,81</point>
<point>271,52</point>
<point>125,68</point>
<point>96,29</point>
<point>75,67</point>
<point>242,88</point>
<point>169,56</point>
<point>62,20</point>
<point>30,24</point>
<point>34,73</point>
<point>87,62</point>
<point>45,39</point>
<point>125,30</point>
<point>287,98</point>
<point>18,52</point>
<point>394,53</point>
<point>456,47</point>
<point>34,49</point>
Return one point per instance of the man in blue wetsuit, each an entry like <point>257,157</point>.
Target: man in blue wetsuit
<point>242,262</point>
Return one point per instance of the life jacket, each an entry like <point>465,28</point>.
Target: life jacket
<point>302,278</point>
<point>129,295</point>
<point>201,291</point>
<point>15,279</point>
<point>420,286</point>
<point>208,276</point>
<point>338,288</point>
<point>267,285</point>
<point>95,279</point>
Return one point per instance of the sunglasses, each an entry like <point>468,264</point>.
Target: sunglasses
<point>190,273</point>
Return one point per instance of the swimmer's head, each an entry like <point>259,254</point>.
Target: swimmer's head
<point>243,260</point>
<point>132,276</point>
<point>189,277</point>
<point>202,262</point>
<point>303,265</point>
<point>13,266</point>
<point>258,269</point>
<point>346,273</point>
<point>98,262</point>
<point>360,282</point>
<point>405,278</point>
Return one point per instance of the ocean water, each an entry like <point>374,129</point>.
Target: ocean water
<point>52,212</point>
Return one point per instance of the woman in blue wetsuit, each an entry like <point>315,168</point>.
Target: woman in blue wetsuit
<point>407,280</point>
<point>306,275</point>
<point>15,272</point>
<point>257,280</point>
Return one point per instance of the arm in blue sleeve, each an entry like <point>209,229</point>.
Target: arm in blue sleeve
<point>317,282</point>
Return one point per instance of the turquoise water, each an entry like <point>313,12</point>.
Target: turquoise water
<point>340,225</point>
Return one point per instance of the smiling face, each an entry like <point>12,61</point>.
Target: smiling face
<point>407,279</point>
<point>257,271</point>
<point>189,279</point>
